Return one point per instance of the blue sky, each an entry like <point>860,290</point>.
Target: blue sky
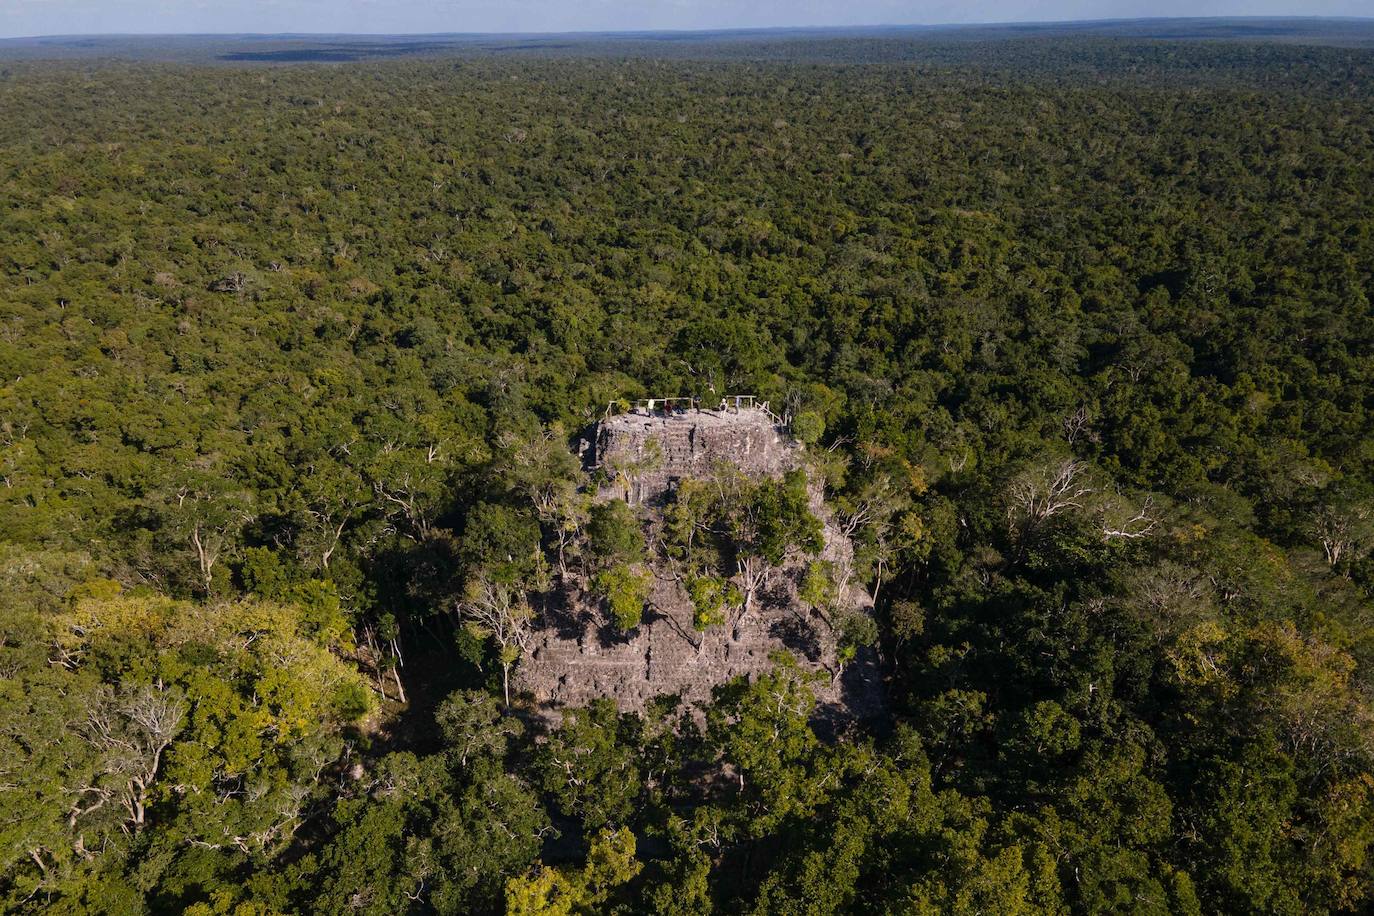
<point>49,17</point>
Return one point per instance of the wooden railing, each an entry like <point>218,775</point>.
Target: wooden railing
<point>733,403</point>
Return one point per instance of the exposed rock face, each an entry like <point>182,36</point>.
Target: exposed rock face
<point>578,655</point>
<point>647,454</point>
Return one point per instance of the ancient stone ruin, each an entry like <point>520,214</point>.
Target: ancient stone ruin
<point>645,452</point>
<point>640,456</point>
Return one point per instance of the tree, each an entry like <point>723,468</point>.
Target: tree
<point>624,469</point>
<point>170,725</point>
<point>495,832</point>
<point>540,468</point>
<point>1057,487</point>
<point>877,516</point>
<point>389,629</point>
<point>713,599</point>
<point>614,534</point>
<point>503,543</point>
<point>207,515</point>
<point>556,892</point>
<point>761,730</point>
<point>686,888</point>
<point>495,609</point>
<point>767,523</point>
<point>626,590</point>
<point>130,729</point>
<point>475,732</point>
<point>1044,491</point>
<point>588,766</point>
<point>818,586</point>
<point>1344,527</point>
<point>808,426</point>
<point>855,631</point>
<point>333,496</point>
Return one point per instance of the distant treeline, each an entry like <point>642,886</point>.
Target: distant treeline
<point>1253,48</point>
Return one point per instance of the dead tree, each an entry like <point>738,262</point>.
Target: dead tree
<point>1119,521</point>
<point>130,728</point>
<point>1069,486</point>
<point>1042,492</point>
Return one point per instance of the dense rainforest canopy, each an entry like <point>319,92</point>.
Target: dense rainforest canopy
<point>291,359</point>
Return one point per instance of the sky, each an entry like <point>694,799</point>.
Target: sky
<point>68,17</point>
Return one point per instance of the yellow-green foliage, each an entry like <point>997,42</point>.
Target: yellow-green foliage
<point>213,722</point>
<point>611,862</point>
<point>278,661</point>
<point>711,597</point>
<point>626,590</point>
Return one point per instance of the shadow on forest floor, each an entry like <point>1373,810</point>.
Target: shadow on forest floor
<point>432,671</point>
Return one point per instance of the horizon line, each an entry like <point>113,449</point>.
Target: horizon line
<point>926,26</point>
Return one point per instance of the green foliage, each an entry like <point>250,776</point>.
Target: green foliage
<point>614,533</point>
<point>1045,730</point>
<point>626,590</point>
<point>777,519</point>
<point>554,892</point>
<point>263,573</point>
<point>294,359</point>
<point>711,598</point>
<point>155,716</point>
<point>589,766</point>
<point>415,834</point>
<point>737,528</point>
<point>817,585</point>
<point>476,735</point>
<point>808,426</point>
<point>761,729</point>
<point>502,540</point>
<point>854,631</point>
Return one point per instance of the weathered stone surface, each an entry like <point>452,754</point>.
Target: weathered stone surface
<point>578,654</point>
<point>645,455</point>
